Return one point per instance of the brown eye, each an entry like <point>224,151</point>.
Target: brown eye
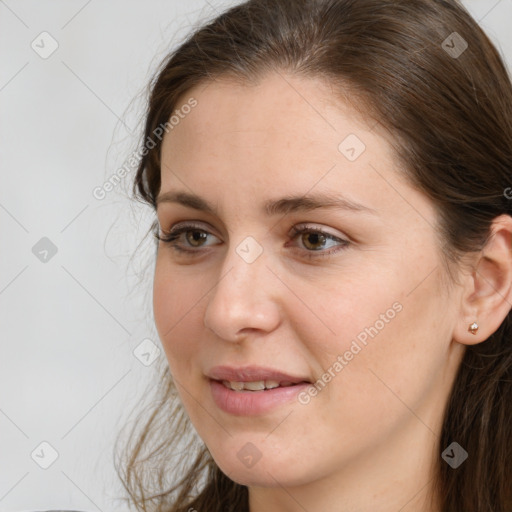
<point>197,236</point>
<point>313,239</point>
<point>194,238</point>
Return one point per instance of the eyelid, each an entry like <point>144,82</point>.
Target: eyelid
<point>199,225</point>
<point>308,226</point>
<point>189,225</point>
<point>342,241</point>
<point>176,231</point>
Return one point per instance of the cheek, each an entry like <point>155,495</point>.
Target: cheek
<point>176,307</point>
<point>394,355</point>
<point>355,311</point>
<point>383,324</point>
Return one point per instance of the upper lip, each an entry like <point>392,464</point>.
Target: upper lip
<point>252,374</point>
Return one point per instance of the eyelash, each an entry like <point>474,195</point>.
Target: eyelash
<point>171,237</point>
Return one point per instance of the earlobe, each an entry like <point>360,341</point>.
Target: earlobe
<point>473,328</point>
<point>487,298</point>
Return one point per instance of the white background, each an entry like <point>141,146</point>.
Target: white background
<point>69,326</point>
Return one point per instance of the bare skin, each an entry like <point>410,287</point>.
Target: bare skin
<point>369,440</point>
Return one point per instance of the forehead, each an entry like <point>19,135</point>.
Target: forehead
<point>242,147</point>
<point>281,124</point>
<point>278,105</point>
<point>283,134</point>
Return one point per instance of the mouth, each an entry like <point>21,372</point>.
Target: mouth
<point>253,378</point>
<point>253,390</point>
<point>258,385</point>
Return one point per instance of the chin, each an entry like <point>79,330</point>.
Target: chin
<point>269,473</point>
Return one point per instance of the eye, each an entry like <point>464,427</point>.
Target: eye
<point>313,240</point>
<point>172,237</point>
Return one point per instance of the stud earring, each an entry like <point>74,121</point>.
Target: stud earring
<point>473,328</point>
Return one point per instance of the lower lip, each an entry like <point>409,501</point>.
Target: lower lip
<point>252,403</point>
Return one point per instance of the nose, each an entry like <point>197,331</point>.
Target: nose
<point>244,300</point>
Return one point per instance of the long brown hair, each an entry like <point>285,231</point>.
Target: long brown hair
<point>428,73</point>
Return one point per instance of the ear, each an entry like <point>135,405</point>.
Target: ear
<point>487,296</point>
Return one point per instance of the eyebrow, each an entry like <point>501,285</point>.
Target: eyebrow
<point>285,205</point>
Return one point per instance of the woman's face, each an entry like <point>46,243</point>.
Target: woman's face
<point>357,304</point>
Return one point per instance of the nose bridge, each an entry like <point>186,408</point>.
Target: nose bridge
<point>243,297</point>
<point>244,272</point>
<point>245,265</point>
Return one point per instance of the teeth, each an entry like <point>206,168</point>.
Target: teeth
<point>237,386</point>
<point>259,385</point>
<point>254,386</point>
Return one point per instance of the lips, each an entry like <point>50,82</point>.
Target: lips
<point>253,390</point>
<point>254,374</point>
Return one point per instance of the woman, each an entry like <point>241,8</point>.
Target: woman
<point>333,278</point>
